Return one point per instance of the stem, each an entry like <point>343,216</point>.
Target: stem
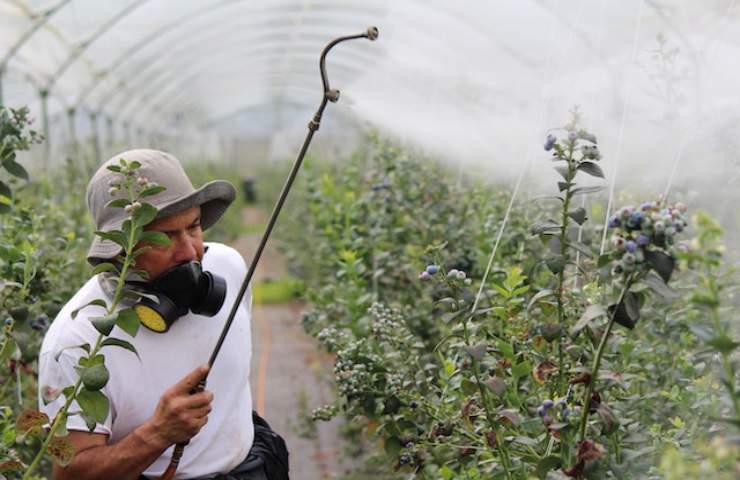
<point>75,391</point>
<point>561,274</point>
<point>597,359</point>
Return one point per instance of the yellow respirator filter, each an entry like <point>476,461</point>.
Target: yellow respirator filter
<point>150,318</point>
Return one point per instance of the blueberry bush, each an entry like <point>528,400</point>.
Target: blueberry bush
<point>570,359</point>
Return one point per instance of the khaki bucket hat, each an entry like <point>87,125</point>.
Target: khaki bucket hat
<point>160,167</point>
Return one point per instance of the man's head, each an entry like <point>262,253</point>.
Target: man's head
<point>184,212</point>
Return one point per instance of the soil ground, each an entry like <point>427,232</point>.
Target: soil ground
<point>290,374</point>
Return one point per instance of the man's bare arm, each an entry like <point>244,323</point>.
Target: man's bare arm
<point>178,417</point>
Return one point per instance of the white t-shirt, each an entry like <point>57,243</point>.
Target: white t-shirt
<point>135,386</point>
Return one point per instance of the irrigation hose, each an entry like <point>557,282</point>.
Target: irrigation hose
<point>330,95</point>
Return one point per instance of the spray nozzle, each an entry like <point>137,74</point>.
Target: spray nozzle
<point>372,33</point>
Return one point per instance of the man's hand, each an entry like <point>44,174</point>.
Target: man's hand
<point>179,416</point>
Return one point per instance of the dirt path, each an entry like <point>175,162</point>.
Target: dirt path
<point>289,374</point>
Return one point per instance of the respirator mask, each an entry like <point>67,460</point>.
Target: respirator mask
<point>182,288</point>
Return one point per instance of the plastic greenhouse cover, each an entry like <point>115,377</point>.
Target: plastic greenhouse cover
<point>478,82</point>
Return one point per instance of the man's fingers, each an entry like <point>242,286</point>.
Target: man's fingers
<point>190,380</point>
<point>198,400</point>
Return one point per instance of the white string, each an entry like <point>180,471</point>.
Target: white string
<point>620,137</point>
<point>528,154</point>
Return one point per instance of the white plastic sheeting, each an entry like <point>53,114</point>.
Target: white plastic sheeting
<point>475,81</point>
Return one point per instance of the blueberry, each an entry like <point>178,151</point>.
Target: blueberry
<point>461,275</point>
<point>642,240</point>
<point>646,206</point>
<point>631,246</point>
<point>452,273</point>
<point>548,404</point>
<point>432,269</point>
<point>414,404</point>
<point>550,142</point>
<point>629,259</point>
<point>614,222</point>
<point>404,460</point>
<point>572,136</point>
<point>8,321</point>
<point>424,276</point>
<point>541,411</point>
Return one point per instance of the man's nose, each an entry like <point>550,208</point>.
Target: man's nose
<point>185,250</point>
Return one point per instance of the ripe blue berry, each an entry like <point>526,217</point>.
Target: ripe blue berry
<point>631,246</point>
<point>432,269</point>
<point>642,240</point>
<point>548,404</point>
<point>550,142</point>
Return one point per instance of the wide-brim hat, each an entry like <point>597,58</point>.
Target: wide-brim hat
<point>179,194</point>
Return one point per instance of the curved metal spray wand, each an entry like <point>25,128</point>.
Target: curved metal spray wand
<point>330,95</point>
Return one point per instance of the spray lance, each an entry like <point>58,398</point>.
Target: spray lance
<point>330,95</point>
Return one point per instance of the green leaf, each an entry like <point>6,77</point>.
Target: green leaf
<point>539,296</point>
<point>104,267</point>
<point>5,208</point>
<point>585,190</point>
<point>604,260</point>
<point>563,170</point>
<point>657,285</point>
<point>547,464</point>
<point>115,236</point>
<point>84,346</point>
<point>556,263</point>
<point>723,344</point>
<point>521,369</point>
<point>476,351</point>
<point>128,321</point>
<point>578,215</point>
<point>114,168</point>
<point>8,349</point>
<point>145,214</point>
<point>98,301</point>
<point>93,404</point>
<point>546,226</point>
<point>468,387</point>
<point>117,342</point>
<point>591,168</point>
<point>628,311</point>
<point>591,313</point>
<point>16,169</point>
<point>147,192</point>
<point>95,377</point>
<point>506,349</point>
<point>104,324</point>
<point>661,262</point>
<point>155,238</point>
<point>117,203</point>
<point>392,446</point>
<point>5,190</point>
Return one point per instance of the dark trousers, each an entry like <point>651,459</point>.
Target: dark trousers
<point>267,459</point>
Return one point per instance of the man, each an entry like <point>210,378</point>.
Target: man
<point>151,407</point>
